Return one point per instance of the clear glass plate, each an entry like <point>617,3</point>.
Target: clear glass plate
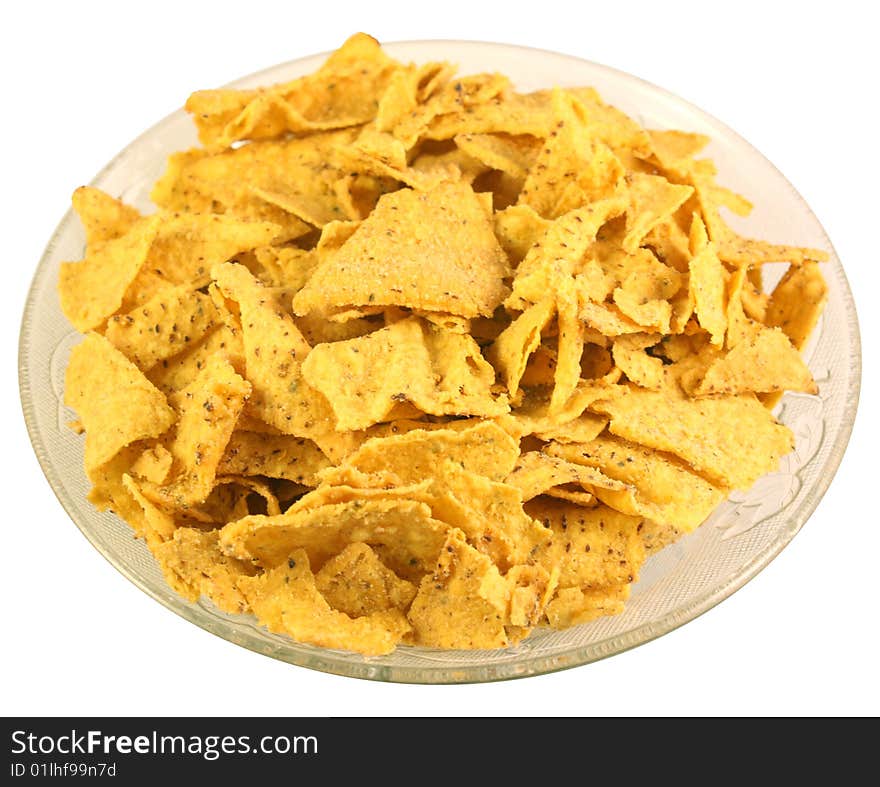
<point>679,583</point>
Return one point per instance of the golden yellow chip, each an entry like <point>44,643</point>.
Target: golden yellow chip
<point>570,349</point>
<point>287,266</point>
<point>531,587</point>
<point>536,472</point>
<point>92,290</point>
<point>186,246</point>
<point>581,429</point>
<point>484,449</point>
<point>357,583</point>
<point>746,440</point>
<point>163,326</point>
<point>207,411</point>
<point>551,263</point>
<point>672,147</point>
<point>345,91</point>
<point>293,183</point>
<point>274,456</point>
<point>517,228</point>
<point>463,603</point>
<point>407,88</point>
<point>763,364</point>
<point>571,156</point>
<point>797,301</point>
<point>175,373</point>
<point>630,356</point>
<point>153,464</point>
<point>592,547</point>
<point>404,533</point>
<point>515,344</point>
<point>573,606</point>
<point>514,155</point>
<point>344,372</point>
<point>430,250</point>
<point>287,601</point>
<point>439,371</point>
<point>455,107</point>
<point>652,199</point>
<point>707,284</point>
<point>103,217</point>
<point>194,566</point>
<point>657,486</point>
<point>740,251</point>
<point>116,404</point>
<point>274,352</point>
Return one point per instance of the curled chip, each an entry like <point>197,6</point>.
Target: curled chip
<point>288,601</point>
<point>406,357</point>
<point>117,405</point>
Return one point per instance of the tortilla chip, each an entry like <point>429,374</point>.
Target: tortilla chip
<point>163,326</point>
<point>797,301</point>
<point>292,183</point>
<point>274,352</point>
<point>514,155</point>
<point>484,449</point>
<point>593,547</point>
<point>707,284</point>
<point>185,248</point>
<point>517,228</point>
<point>652,199</point>
<point>746,441</point>
<point>91,290</point>
<point>608,320</point>
<point>207,412</point>
<point>571,156</point>
<point>153,464</point>
<point>453,108</point>
<point>274,456</point>
<point>763,364</point>
<point>513,347</point>
<point>194,566</point>
<point>286,266</point>
<point>287,601</point>
<point>437,370</point>
<point>103,217</point>
<point>536,472</point>
<point>430,250</point>
<point>116,404</point>
<point>639,367</point>
<point>737,250</point>
<point>345,91</point>
<point>659,486</point>
<point>175,373</point>
<point>531,587</point>
<point>582,429</point>
<point>357,583</point>
<point>573,606</point>
<point>463,604</point>
<point>344,372</point>
<point>403,532</point>
<point>569,350</point>
<point>671,147</point>
<point>550,263</point>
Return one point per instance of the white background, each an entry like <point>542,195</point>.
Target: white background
<point>80,80</point>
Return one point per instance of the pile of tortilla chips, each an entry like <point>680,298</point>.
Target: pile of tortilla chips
<point>410,358</point>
